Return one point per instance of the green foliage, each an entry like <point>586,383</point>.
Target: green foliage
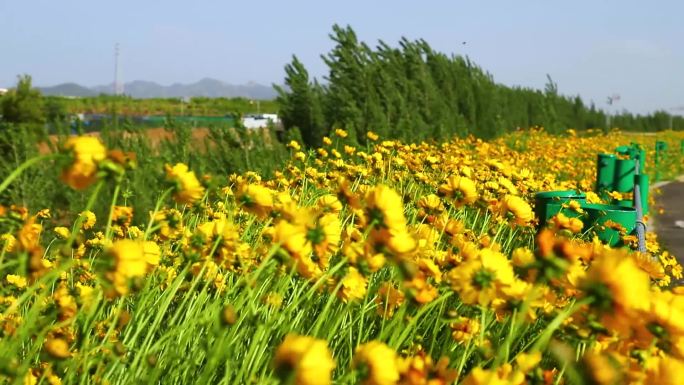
<point>415,93</point>
<point>23,104</point>
<point>196,106</point>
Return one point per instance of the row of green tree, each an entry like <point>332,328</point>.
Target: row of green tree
<point>413,92</point>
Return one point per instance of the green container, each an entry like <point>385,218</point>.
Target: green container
<point>661,146</point>
<point>624,175</point>
<point>548,203</point>
<point>553,209</point>
<point>623,150</point>
<point>598,215</point>
<point>623,203</point>
<point>642,181</point>
<point>605,172</point>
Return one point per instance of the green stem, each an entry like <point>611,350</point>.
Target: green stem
<point>117,188</point>
<point>156,210</point>
<point>17,172</point>
<point>546,335</point>
<point>81,218</point>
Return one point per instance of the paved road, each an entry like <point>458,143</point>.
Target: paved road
<point>670,236</point>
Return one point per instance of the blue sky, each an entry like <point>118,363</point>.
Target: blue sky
<point>592,48</point>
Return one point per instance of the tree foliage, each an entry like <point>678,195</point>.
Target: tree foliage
<point>23,104</point>
<point>413,92</point>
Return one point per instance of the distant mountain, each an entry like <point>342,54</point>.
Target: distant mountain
<point>143,89</point>
<point>68,89</point>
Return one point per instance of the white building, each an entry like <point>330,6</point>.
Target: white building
<point>259,121</point>
<point>3,91</point>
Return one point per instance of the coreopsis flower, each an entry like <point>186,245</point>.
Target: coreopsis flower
<point>152,253</point>
<point>340,133</point>
<point>522,256</point>
<point>618,287</point>
<point>87,152</point>
<point>462,190</point>
<point>372,136</point>
<point>62,232</point>
<point>528,361</point>
<point>122,215</point>
<point>420,369</point>
<point>16,280</point>
<point>28,237</point>
<point>57,347</point>
<point>294,145</point>
<point>187,188</point>
<point>464,329</point>
<point>89,219</point>
<point>130,261</point>
<point>521,210</point>
<point>304,360</point>
<point>388,299</point>
<point>561,221</point>
<point>329,203</point>
<point>481,280</point>
<point>503,375</point>
<point>376,363</point>
<point>7,243</point>
<point>353,286</point>
<point>384,208</point>
<point>665,371</point>
<point>255,199</point>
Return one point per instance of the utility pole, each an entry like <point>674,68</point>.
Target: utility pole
<point>611,100</point>
<point>674,110</point>
<point>118,86</point>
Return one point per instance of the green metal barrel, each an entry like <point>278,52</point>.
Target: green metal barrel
<point>598,215</point>
<point>624,175</point>
<point>548,203</point>
<point>605,172</point>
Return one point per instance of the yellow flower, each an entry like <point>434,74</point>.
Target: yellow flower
<point>294,145</point>
<point>7,242</point>
<point>618,286</point>
<point>89,219</point>
<point>327,141</point>
<point>129,262</point>
<point>353,286</point>
<point>188,189</point>
<point>482,279</point>
<point>62,232</point>
<point>57,348</point>
<point>385,208</point>
<point>122,215</point>
<point>152,253</point>
<point>520,209</point>
<point>372,136</point>
<point>87,152</point>
<point>389,298</point>
<point>305,360</point>
<point>665,371</point>
<point>340,133</point>
<point>461,189</point>
<point>255,199</point>
<point>528,361</point>
<point>16,280</point>
<point>377,364</point>
<point>464,329</point>
<point>522,256</point>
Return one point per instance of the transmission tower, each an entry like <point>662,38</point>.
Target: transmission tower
<point>118,85</point>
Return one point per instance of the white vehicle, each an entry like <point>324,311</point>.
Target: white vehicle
<point>259,121</point>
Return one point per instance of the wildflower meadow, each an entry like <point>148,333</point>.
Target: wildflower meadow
<point>375,262</point>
